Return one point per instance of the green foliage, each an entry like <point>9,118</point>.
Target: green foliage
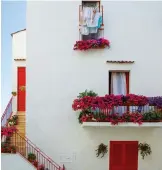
<point>152,116</point>
<point>31,157</point>
<point>87,93</point>
<point>102,149</point>
<point>144,149</point>
<point>13,120</point>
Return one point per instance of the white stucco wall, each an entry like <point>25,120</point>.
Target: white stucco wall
<point>14,162</point>
<point>19,44</point>
<point>18,52</point>
<point>56,74</point>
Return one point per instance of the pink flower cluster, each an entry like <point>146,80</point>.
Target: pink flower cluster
<point>8,131</point>
<point>91,44</point>
<point>109,101</point>
<point>114,118</point>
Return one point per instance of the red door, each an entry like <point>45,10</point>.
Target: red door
<point>21,81</point>
<point>123,155</point>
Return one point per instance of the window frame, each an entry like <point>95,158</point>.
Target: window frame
<point>127,72</point>
<point>101,29</point>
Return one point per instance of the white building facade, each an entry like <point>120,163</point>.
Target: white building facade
<point>18,63</point>
<point>56,74</point>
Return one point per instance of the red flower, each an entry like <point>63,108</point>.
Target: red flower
<point>88,44</point>
<point>108,101</point>
<point>8,131</point>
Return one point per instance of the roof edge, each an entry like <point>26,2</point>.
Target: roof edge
<point>18,31</point>
<point>120,61</point>
<point>20,59</point>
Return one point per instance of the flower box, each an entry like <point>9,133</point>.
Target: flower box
<point>91,44</point>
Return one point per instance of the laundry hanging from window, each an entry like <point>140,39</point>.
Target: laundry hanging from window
<point>91,21</point>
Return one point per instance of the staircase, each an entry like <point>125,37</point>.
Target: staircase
<point>21,127</point>
<point>21,123</point>
<point>24,146</point>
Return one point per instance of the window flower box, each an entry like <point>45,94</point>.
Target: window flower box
<point>91,44</point>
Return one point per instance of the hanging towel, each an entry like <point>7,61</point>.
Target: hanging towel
<point>93,30</point>
<point>99,22</point>
<point>95,21</point>
<point>93,26</point>
<point>84,30</point>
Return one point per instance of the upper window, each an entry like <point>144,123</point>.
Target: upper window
<point>119,83</point>
<point>91,20</point>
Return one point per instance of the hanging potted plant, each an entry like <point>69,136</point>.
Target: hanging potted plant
<point>14,93</point>
<point>144,149</point>
<point>101,150</point>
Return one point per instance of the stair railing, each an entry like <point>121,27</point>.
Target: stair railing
<point>24,146</point>
<point>7,113</point>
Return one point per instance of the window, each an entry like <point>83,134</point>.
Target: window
<point>119,83</point>
<point>91,20</point>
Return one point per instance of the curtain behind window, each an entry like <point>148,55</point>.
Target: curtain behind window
<point>119,87</point>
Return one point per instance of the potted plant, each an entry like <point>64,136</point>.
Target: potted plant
<point>144,149</point>
<point>35,163</point>
<point>14,93</point>
<point>6,148</point>
<point>31,157</point>
<point>13,120</point>
<point>87,93</point>
<point>13,149</point>
<point>102,149</point>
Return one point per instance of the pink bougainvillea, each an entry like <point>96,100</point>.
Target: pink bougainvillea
<point>114,118</point>
<point>8,131</point>
<point>109,101</point>
<point>91,44</point>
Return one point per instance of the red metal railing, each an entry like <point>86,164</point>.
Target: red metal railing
<point>24,146</point>
<point>7,113</point>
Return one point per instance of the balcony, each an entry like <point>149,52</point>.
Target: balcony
<point>119,111</point>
